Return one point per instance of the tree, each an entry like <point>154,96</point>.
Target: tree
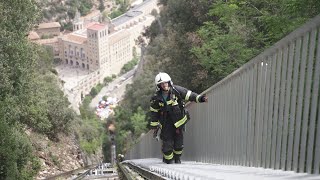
<point>16,71</point>
<point>242,29</point>
<point>93,92</point>
<point>139,122</point>
<point>30,98</point>
<point>16,158</point>
<point>108,79</point>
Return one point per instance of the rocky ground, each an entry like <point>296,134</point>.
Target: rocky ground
<point>59,157</point>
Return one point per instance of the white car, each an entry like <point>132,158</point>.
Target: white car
<point>122,79</point>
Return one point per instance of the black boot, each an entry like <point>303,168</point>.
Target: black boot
<point>170,161</point>
<point>177,160</point>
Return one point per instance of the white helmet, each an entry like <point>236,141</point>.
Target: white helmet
<point>160,78</point>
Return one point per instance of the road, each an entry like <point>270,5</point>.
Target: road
<point>116,88</point>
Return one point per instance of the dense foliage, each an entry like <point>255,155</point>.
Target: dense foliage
<point>56,10</point>
<point>129,66</point>
<point>199,42</point>
<point>30,97</point>
<point>121,8</point>
<point>90,130</point>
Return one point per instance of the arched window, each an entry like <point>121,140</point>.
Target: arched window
<point>87,66</point>
<point>67,61</point>
<point>83,65</point>
<point>71,62</point>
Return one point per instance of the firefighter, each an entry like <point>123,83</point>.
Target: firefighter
<point>167,113</point>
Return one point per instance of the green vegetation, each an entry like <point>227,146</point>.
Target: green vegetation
<point>91,135</point>
<point>30,98</point>
<point>57,11</point>
<point>108,79</point>
<point>123,7</point>
<point>83,6</point>
<point>129,127</point>
<point>129,65</point>
<point>115,13</point>
<point>67,26</point>
<point>95,90</point>
<point>91,128</point>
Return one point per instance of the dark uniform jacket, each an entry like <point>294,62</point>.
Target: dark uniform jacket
<point>172,109</point>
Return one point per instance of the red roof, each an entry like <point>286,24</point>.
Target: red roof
<point>97,27</point>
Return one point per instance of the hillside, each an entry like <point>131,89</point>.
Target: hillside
<point>63,11</point>
<point>40,135</point>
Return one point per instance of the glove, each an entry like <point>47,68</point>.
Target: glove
<point>204,98</point>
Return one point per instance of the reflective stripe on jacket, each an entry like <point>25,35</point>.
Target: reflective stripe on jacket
<point>159,108</point>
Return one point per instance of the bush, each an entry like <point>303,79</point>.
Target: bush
<point>108,79</point>
<point>104,98</point>
<point>128,66</point>
<point>99,87</point>
<point>91,135</point>
<point>115,14</point>
<point>67,26</point>
<point>71,13</point>
<point>94,92</point>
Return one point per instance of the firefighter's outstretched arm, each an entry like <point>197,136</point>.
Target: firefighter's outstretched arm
<point>188,95</point>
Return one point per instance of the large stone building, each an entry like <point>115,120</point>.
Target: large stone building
<point>101,49</point>
<point>50,29</point>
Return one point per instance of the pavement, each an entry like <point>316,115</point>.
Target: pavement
<point>191,170</point>
<point>71,76</point>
